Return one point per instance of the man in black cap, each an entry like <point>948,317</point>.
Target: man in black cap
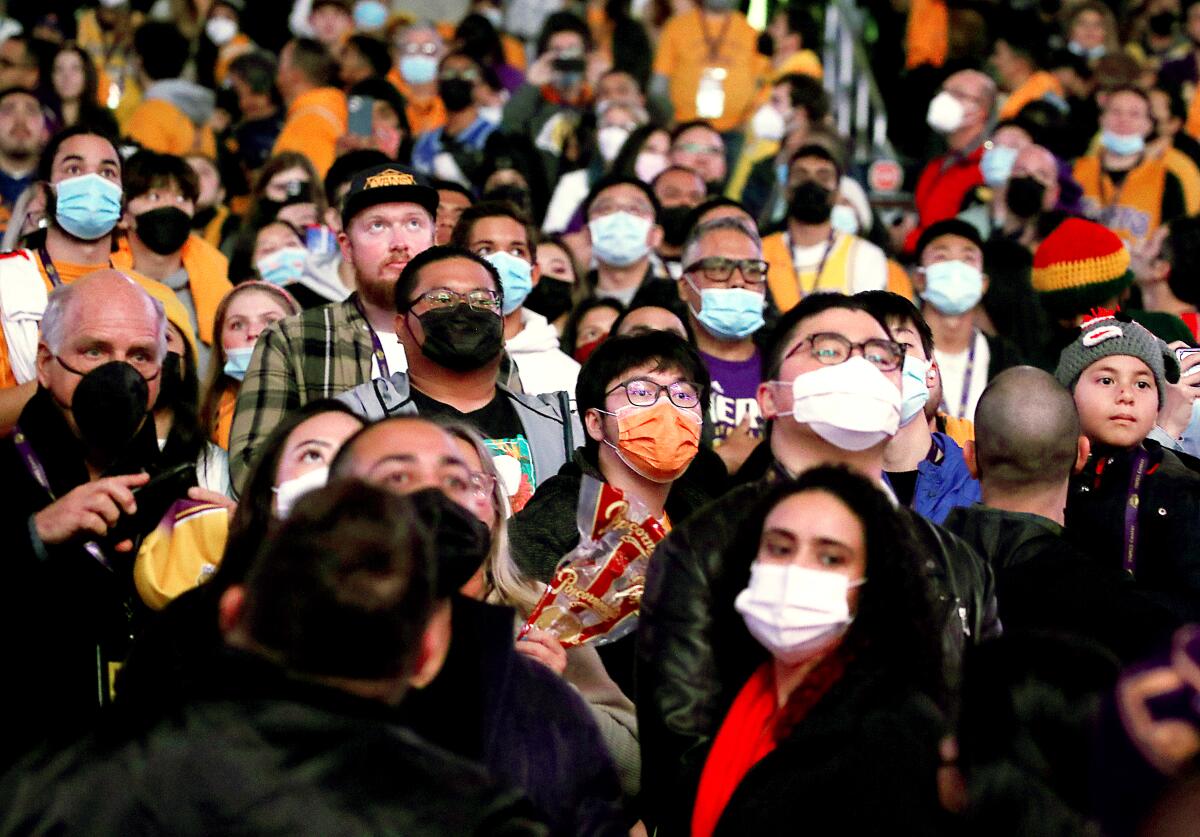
<point>387,218</point>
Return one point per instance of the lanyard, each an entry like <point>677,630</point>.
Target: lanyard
<point>714,46</point>
<point>966,386</point>
<point>376,346</point>
<point>829,242</point>
<point>48,266</point>
<point>1141,460</point>
<point>34,465</point>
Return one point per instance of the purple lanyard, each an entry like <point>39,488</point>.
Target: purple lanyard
<point>1141,460</point>
<point>48,266</point>
<point>966,388</point>
<point>34,465</point>
<point>376,346</point>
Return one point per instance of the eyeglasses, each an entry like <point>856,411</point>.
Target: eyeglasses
<point>480,300</point>
<point>607,207</point>
<point>698,148</point>
<point>465,75</point>
<point>427,48</point>
<point>718,269</point>
<point>644,393</point>
<point>831,349</point>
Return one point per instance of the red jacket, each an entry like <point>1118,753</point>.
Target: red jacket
<point>940,192</point>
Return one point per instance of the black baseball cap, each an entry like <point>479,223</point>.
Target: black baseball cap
<point>387,183</point>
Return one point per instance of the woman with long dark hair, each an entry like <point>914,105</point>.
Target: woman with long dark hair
<point>838,730</point>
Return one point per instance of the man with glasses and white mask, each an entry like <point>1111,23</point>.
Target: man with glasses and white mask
<point>724,285</point>
<point>449,318</point>
<point>832,394</point>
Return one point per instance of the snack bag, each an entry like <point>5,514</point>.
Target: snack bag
<point>597,589</point>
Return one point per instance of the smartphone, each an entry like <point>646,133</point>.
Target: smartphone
<point>153,500</point>
<point>569,65</point>
<point>362,115</point>
<point>1183,354</point>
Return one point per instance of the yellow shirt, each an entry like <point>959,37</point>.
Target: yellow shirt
<point>160,126</point>
<point>690,43</point>
<point>315,122</point>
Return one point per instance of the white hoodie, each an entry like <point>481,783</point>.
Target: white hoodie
<point>540,363</point>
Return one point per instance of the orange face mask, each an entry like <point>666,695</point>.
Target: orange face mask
<point>658,442</point>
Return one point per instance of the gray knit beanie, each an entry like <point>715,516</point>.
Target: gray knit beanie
<point>1106,334</point>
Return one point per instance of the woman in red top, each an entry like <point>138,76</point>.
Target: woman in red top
<point>838,731</point>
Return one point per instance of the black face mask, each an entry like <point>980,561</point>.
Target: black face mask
<point>1162,24</point>
<point>109,407</point>
<point>551,298</point>
<point>456,93</point>
<point>461,338</point>
<point>203,218</point>
<point>810,203</point>
<point>164,230</point>
<point>462,541</point>
<point>673,221</point>
<point>1024,196</point>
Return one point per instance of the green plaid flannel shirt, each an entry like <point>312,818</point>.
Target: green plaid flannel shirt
<point>319,353</point>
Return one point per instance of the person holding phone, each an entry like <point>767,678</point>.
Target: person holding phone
<point>457,151</point>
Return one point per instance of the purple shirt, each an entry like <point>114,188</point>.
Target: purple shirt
<point>734,393</point>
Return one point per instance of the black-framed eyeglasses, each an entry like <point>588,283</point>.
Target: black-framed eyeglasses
<point>831,349</point>
<point>644,393</point>
<point>481,299</point>
<point>718,269</point>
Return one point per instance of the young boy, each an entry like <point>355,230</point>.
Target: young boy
<point>1134,505</point>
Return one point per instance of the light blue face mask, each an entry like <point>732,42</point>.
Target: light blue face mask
<point>418,69</point>
<point>1123,144</point>
<point>88,206</point>
<point>997,164</point>
<point>913,392</point>
<point>370,15</point>
<point>729,313</point>
<point>619,238</point>
<point>1090,53</point>
<point>953,287</point>
<point>237,361</point>
<point>516,276</point>
<point>282,266</point>
<point>844,219</point>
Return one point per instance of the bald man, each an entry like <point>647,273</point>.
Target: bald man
<point>82,446</point>
<point>529,728</point>
<point>1027,445</point>
<point>960,112</point>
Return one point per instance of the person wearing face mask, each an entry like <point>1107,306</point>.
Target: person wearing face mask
<point>960,112</point>
<point>449,318</point>
<point>925,468</point>
<point>83,443</point>
<point>679,191</point>
<point>832,397</point>
<point>419,49</point>
<point>503,235</point>
<point>724,285</point>
<point>810,255</point>
<point>456,150</point>
<point>623,231</point>
<point>840,707</point>
<point>160,193</point>
<point>223,42</point>
<point>387,218</point>
<point>1124,188</point>
<point>950,283</point>
<point>83,208</point>
<point>643,399</point>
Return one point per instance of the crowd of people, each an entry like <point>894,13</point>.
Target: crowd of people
<point>324,325</point>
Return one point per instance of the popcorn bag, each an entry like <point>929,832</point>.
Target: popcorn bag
<point>597,589</point>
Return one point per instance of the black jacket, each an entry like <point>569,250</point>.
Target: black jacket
<point>1043,583</point>
<point>694,651</point>
<point>259,753</point>
<point>863,761</point>
<point>1168,548</point>
<point>69,618</point>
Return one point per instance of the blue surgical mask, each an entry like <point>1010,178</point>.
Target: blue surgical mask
<point>844,219</point>
<point>87,207</point>
<point>282,266</point>
<point>730,313</point>
<point>1091,53</point>
<point>418,69</point>
<point>237,361</point>
<point>997,164</point>
<point>913,391</point>
<point>619,238</point>
<point>1123,144</point>
<point>516,276</point>
<point>953,287</point>
<point>370,15</point>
